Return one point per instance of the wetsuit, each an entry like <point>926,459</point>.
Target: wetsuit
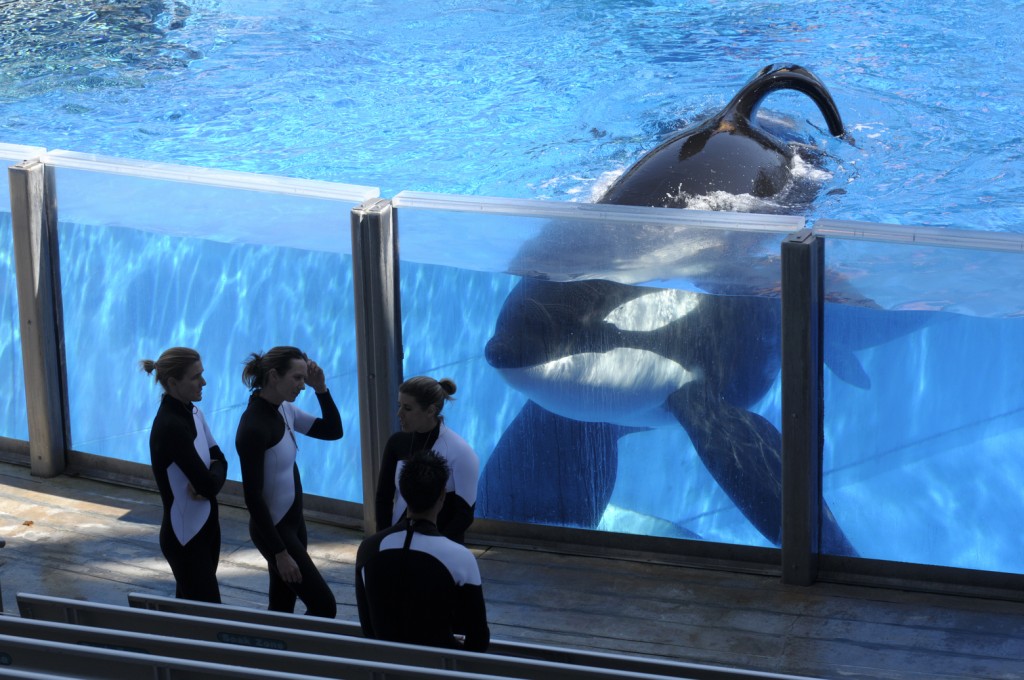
<point>273,493</point>
<point>414,585</point>
<point>459,503</point>
<point>183,453</point>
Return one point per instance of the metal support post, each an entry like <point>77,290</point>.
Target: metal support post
<point>803,258</point>
<point>37,261</point>
<point>378,336</point>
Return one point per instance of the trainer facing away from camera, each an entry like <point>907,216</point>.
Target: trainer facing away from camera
<point>412,583</point>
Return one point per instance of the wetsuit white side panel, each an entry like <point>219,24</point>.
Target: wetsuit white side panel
<point>417,586</point>
<point>457,559</point>
<point>188,515</point>
<point>279,462</point>
<point>463,463</point>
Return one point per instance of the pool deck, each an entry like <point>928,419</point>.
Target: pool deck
<point>73,537</point>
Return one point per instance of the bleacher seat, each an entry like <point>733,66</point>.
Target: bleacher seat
<point>222,653</point>
<point>624,663</point>
<point>84,662</point>
<point>220,630</point>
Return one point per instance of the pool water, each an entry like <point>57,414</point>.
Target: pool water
<point>529,99</point>
<point>553,101</point>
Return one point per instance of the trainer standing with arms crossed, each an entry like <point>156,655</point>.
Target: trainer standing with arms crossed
<point>189,469</point>
<point>267,447</point>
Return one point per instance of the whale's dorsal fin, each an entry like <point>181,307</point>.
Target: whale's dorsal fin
<point>785,77</point>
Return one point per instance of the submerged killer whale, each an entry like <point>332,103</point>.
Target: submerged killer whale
<point>600,359</point>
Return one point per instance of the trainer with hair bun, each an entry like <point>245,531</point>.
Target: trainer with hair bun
<point>189,469</point>
<point>420,401</point>
<point>267,447</point>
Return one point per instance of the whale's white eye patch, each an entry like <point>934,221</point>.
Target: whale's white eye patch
<point>654,310</point>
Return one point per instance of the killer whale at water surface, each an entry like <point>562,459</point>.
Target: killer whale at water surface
<point>730,152</point>
<point>599,360</point>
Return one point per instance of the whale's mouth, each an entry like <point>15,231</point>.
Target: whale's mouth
<point>510,352</point>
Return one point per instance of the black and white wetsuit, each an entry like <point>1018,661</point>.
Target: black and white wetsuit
<point>414,585</point>
<point>266,447</point>
<point>459,503</point>
<point>183,452</point>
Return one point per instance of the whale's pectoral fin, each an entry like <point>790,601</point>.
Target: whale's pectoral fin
<point>833,540</point>
<point>847,367</point>
<point>550,470</point>
<point>740,449</point>
<point>743,452</point>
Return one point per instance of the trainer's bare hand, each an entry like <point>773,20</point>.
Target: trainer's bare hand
<point>315,377</point>
<point>287,568</point>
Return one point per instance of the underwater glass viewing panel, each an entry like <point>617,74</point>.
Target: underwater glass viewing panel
<point>590,357</point>
<point>154,256</point>
<point>924,415</point>
<point>13,418</point>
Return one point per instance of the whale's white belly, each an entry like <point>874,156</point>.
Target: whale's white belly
<point>623,386</point>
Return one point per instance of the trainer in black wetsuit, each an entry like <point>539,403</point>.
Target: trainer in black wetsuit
<point>189,469</point>
<point>267,448</point>
<point>420,401</point>
<point>413,584</point>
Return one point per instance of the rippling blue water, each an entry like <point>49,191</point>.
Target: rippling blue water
<point>552,100</point>
<point>531,99</point>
